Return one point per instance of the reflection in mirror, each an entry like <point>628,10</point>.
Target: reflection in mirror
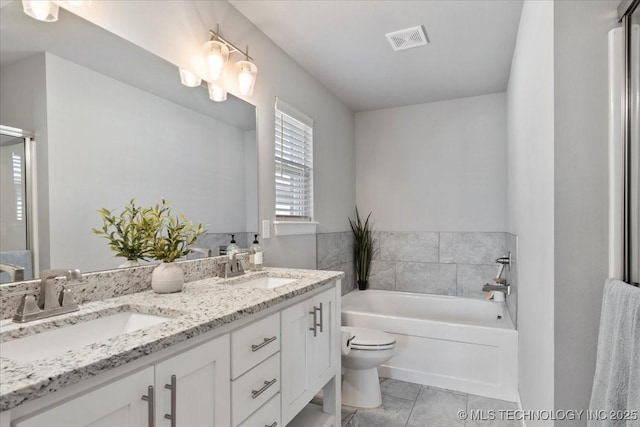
<point>112,122</point>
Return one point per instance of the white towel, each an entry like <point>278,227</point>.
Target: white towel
<point>616,384</point>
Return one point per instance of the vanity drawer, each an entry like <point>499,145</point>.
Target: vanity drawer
<point>255,388</point>
<point>268,415</point>
<point>254,343</point>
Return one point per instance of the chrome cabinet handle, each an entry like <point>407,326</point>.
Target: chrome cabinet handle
<point>152,406</point>
<point>174,392</point>
<point>315,321</point>
<point>275,423</point>
<point>256,347</point>
<point>267,384</point>
<point>321,321</point>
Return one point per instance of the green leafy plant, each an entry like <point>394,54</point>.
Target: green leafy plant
<point>172,235</point>
<point>363,246</point>
<point>128,233</point>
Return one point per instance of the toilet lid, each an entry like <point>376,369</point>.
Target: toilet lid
<point>369,339</point>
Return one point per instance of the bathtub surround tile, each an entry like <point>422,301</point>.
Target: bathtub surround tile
<point>382,275</point>
<point>349,280</point>
<point>394,412</point>
<point>333,249</point>
<point>436,407</point>
<point>471,248</point>
<point>415,246</point>
<point>426,278</point>
<point>471,278</point>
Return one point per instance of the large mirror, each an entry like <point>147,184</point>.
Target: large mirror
<point>112,122</point>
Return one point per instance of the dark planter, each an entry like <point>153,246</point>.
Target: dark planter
<point>363,284</point>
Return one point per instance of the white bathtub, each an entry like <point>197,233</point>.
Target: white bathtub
<point>464,344</point>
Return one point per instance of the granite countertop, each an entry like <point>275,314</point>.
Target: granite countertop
<point>202,306</point>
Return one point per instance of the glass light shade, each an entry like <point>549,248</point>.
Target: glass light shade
<point>42,10</point>
<point>217,55</point>
<point>217,93</point>
<point>189,79</point>
<point>247,73</point>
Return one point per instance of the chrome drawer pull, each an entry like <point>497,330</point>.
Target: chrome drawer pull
<point>321,321</point>
<point>174,391</point>
<point>315,321</point>
<point>256,347</point>
<point>152,406</point>
<point>267,384</point>
<point>275,423</point>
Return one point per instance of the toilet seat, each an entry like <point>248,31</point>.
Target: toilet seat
<point>369,339</point>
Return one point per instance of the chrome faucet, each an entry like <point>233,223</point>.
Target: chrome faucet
<point>233,266</point>
<point>16,273</point>
<point>48,303</point>
<point>501,284</point>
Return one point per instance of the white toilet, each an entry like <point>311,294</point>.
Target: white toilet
<point>369,349</point>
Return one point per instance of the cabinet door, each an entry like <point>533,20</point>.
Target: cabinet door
<point>117,404</point>
<point>324,353</point>
<point>295,354</point>
<point>202,387</point>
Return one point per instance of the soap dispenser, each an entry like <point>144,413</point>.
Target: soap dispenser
<point>233,247</point>
<point>256,254</point>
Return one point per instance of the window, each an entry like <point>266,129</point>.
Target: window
<point>294,164</point>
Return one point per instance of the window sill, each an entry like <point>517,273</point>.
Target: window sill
<point>293,228</point>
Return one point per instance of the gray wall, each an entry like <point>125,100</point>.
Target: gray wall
<point>184,24</point>
<point>438,166</point>
<point>530,199</point>
<point>581,191</point>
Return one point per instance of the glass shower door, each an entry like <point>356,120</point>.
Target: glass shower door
<point>16,251</point>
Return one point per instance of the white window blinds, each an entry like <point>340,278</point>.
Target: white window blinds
<point>294,163</point>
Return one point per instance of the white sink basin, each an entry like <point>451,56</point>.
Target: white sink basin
<point>60,340</point>
<point>266,282</point>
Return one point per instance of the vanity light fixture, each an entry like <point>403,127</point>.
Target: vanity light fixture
<point>189,79</point>
<point>42,10</point>
<point>216,92</point>
<point>246,71</point>
<point>217,56</point>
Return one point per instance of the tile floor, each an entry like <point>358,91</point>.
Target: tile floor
<point>412,405</point>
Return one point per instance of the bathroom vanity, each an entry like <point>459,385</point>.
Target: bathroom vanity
<point>224,352</point>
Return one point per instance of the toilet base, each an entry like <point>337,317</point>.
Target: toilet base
<point>361,388</point>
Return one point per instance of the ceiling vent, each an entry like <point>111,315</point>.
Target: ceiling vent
<point>407,38</point>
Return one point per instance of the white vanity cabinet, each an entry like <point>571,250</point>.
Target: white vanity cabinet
<point>117,404</point>
<point>310,357</point>
<point>262,371</point>
<point>193,387</point>
<point>197,395</point>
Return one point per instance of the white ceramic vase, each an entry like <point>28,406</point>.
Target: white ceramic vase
<point>167,278</point>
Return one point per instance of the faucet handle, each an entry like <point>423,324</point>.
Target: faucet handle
<point>27,305</point>
<point>66,297</point>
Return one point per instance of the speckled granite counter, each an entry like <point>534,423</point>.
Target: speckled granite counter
<point>202,306</point>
